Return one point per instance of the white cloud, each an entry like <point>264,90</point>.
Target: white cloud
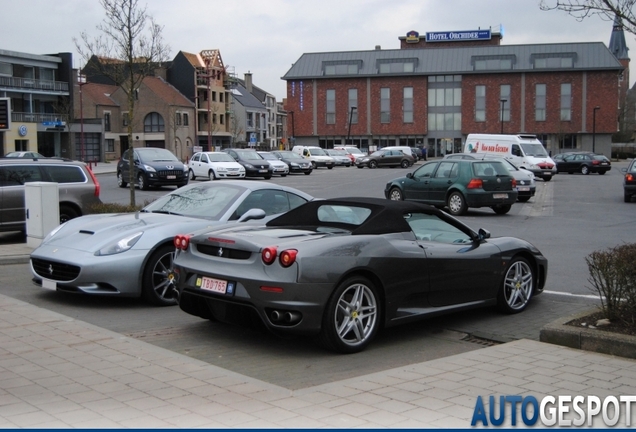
<point>266,37</point>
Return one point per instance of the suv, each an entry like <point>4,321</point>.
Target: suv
<point>153,167</point>
<point>80,188</point>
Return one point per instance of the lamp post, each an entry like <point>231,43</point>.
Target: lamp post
<point>594,128</point>
<point>81,81</point>
<point>293,137</point>
<point>503,103</point>
<point>349,130</point>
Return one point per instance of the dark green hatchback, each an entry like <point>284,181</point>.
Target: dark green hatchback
<point>458,185</point>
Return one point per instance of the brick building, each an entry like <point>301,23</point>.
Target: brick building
<point>438,88</point>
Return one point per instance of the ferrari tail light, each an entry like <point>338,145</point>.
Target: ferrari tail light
<point>182,241</point>
<point>629,177</point>
<point>475,183</point>
<point>288,257</point>
<point>269,254</point>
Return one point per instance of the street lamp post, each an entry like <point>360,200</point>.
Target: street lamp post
<point>349,130</point>
<point>594,128</point>
<point>503,103</point>
<point>293,137</point>
<point>81,81</point>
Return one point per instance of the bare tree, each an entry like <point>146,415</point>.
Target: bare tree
<point>605,9</point>
<point>129,48</point>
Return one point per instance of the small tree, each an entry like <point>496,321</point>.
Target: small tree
<point>129,49</point>
<point>605,9</point>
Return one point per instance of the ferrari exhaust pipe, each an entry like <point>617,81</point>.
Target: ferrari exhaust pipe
<point>275,316</point>
<point>291,317</point>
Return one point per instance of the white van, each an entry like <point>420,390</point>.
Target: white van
<point>317,156</point>
<point>524,151</point>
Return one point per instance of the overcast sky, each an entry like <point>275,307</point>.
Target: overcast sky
<point>265,37</point>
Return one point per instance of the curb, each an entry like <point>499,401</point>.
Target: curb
<point>15,259</point>
<point>558,333</point>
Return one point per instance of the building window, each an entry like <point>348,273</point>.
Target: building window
<point>6,69</point>
<point>186,121</point>
<point>408,105</point>
<point>480,103</point>
<point>177,118</point>
<point>221,119</point>
<point>213,96</point>
<point>444,121</point>
<point>342,68</point>
<point>21,145</point>
<point>221,94</point>
<point>553,61</point>
<point>124,119</point>
<point>214,118</point>
<point>566,102</point>
<point>353,103</point>
<point>504,62</point>
<point>154,123</point>
<point>385,105</point>
<point>444,97</point>
<point>250,120</point>
<point>504,107</point>
<point>331,106</point>
<point>539,102</point>
<point>110,145</point>
<point>107,121</point>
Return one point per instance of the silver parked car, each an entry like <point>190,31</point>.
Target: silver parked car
<point>79,188</point>
<point>130,254</point>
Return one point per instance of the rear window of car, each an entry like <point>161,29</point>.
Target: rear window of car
<point>343,214</point>
<point>489,169</point>
<point>65,174</point>
<point>17,175</point>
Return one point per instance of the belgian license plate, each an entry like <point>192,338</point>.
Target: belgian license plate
<point>49,284</point>
<point>500,196</point>
<point>547,173</point>
<point>171,177</point>
<point>262,170</point>
<point>211,284</point>
<point>523,188</point>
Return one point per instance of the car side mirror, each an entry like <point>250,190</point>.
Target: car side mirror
<point>483,234</point>
<point>252,214</point>
<point>624,170</point>
<point>409,175</point>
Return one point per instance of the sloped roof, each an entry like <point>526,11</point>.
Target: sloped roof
<point>431,61</point>
<point>167,92</point>
<point>100,93</point>
<point>245,98</point>
<point>617,40</point>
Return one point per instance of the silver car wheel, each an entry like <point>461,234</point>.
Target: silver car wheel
<point>518,285</point>
<point>395,194</point>
<point>159,279</point>
<point>456,204</point>
<point>356,314</point>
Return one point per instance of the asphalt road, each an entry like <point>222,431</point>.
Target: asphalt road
<point>570,217</point>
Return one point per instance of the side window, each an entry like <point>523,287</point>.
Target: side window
<point>444,170</point>
<point>20,174</point>
<point>569,158</point>
<point>196,157</point>
<point>270,201</point>
<point>428,227</point>
<point>65,174</point>
<point>516,151</point>
<point>295,201</point>
<point>204,158</point>
<point>425,170</point>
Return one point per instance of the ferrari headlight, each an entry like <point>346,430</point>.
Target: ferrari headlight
<point>119,246</point>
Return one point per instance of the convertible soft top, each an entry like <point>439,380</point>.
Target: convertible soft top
<point>386,216</point>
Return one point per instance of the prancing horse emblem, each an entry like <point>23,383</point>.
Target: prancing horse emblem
<point>50,268</point>
<point>220,252</point>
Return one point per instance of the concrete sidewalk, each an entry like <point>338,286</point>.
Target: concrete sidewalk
<point>57,372</point>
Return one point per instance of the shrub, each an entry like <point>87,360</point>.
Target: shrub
<point>612,273</point>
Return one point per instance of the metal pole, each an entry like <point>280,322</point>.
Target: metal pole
<point>350,117</point>
<point>503,103</point>
<point>594,128</point>
<point>81,84</point>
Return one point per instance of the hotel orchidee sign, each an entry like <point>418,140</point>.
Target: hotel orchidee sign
<point>449,36</point>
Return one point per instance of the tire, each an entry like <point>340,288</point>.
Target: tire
<point>523,199</point>
<point>352,316</point>
<point>405,164</point>
<point>120,180</point>
<point>585,170</point>
<point>547,178</point>
<point>602,172</point>
<point>373,164</point>
<point>360,166</point>
<point>395,194</point>
<point>283,175</point>
<point>158,280</point>
<point>456,204</point>
<point>501,209</point>
<point>67,213</point>
<point>307,172</point>
<point>627,198</point>
<point>191,175</point>
<point>517,286</point>
<point>267,177</point>
<point>141,181</point>
<point>211,175</point>
<point>330,167</point>
<point>313,165</point>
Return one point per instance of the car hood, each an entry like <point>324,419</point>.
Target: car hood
<point>92,233</point>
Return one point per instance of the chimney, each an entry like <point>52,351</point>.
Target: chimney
<point>378,47</point>
<point>248,81</point>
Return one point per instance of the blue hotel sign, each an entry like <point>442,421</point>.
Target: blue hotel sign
<point>458,36</point>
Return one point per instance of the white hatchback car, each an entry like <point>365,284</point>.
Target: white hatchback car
<point>214,165</point>
<point>280,167</point>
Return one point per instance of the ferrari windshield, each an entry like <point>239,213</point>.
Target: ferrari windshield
<point>197,201</point>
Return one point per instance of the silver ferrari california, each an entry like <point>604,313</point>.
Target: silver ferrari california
<point>341,269</point>
<point>130,254</point>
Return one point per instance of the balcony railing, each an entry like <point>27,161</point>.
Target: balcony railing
<point>33,84</point>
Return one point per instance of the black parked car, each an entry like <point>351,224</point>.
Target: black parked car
<point>583,162</point>
<point>458,185</point>
<point>296,163</point>
<point>385,158</point>
<point>255,165</point>
<point>153,167</point>
<point>629,181</point>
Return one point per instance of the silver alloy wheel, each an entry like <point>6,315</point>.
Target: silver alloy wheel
<point>456,204</point>
<point>585,170</point>
<point>163,278</point>
<point>356,314</point>
<point>192,176</point>
<point>395,194</point>
<point>518,285</point>
<point>141,181</point>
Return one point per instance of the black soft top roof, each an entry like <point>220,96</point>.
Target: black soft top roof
<point>386,216</point>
